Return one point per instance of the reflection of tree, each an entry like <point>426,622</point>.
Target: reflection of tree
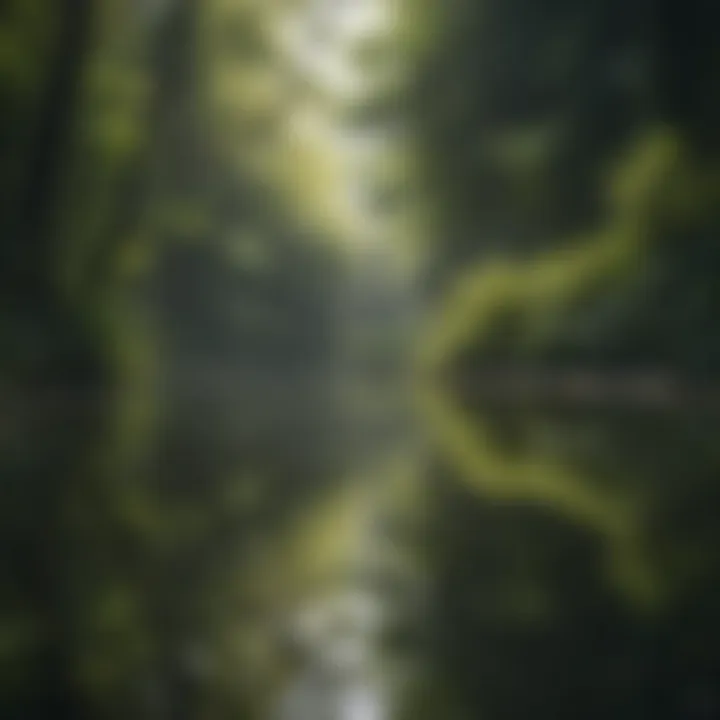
<point>527,599</point>
<point>540,478</point>
<point>534,298</point>
<point>166,319</point>
<point>159,361</point>
<point>523,311</point>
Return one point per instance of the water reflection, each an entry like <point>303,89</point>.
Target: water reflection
<point>535,609</point>
<point>529,614</point>
<point>530,618</point>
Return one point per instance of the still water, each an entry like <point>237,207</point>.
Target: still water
<point>571,569</point>
<point>514,562</point>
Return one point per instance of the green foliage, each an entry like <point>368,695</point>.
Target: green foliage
<point>169,327</point>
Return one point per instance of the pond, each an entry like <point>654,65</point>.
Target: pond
<point>571,570</point>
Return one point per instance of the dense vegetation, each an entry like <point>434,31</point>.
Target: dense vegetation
<point>167,334</point>
<point>581,175</point>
